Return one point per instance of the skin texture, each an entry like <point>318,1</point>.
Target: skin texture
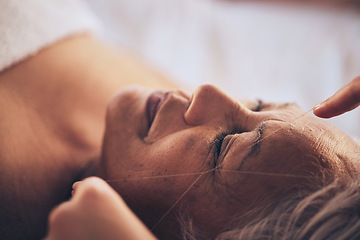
<point>180,141</point>
<point>344,100</point>
<point>95,211</point>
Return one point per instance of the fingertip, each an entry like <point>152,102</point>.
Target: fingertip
<point>317,106</point>
<point>75,186</point>
<point>94,181</point>
<point>317,109</point>
<point>322,110</point>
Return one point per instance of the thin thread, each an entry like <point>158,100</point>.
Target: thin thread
<point>266,174</point>
<point>211,170</point>
<point>156,177</point>
<point>177,201</point>
<point>215,168</point>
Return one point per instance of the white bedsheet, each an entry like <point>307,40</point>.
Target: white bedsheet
<point>251,50</point>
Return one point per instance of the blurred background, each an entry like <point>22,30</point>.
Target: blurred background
<point>289,51</point>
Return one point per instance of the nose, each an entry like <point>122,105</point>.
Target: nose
<point>210,104</point>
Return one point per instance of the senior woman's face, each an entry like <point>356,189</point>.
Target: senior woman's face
<point>257,150</point>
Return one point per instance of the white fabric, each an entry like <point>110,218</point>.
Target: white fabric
<point>251,50</point>
<point>26,26</point>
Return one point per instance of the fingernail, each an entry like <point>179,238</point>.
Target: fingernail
<point>317,106</point>
<point>74,186</point>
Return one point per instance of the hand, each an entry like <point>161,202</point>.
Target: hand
<point>95,211</point>
<point>344,100</point>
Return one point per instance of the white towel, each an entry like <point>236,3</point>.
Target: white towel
<point>27,26</point>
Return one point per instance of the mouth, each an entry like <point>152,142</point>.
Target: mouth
<point>153,104</point>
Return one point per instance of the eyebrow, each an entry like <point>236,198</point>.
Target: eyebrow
<point>256,144</point>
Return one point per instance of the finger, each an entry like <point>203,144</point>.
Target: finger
<point>94,191</point>
<point>344,100</point>
<point>89,182</point>
<point>59,220</point>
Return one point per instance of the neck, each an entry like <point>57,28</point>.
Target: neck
<point>52,109</point>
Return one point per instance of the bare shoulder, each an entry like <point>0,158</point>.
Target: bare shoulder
<point>52,119</point>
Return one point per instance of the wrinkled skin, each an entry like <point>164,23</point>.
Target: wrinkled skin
<point>263,138</point>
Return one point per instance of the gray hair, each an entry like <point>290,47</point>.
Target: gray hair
<point>331,212</point>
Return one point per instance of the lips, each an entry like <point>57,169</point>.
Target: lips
<point>153,104</point>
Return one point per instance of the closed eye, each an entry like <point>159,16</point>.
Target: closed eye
<point>217,142</point>
<point>215,147</point>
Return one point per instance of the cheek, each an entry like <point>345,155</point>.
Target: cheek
<point>209,209</point>
<point>178,155</point>
<point>172,161</point>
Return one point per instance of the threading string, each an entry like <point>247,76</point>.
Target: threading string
<point>208,171</point>
<point>265,174</point>
<point>202,173</point>
<point>177,201</point>
<point>211,170</point>
<point>156,177</point>
<point>270,134</point>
